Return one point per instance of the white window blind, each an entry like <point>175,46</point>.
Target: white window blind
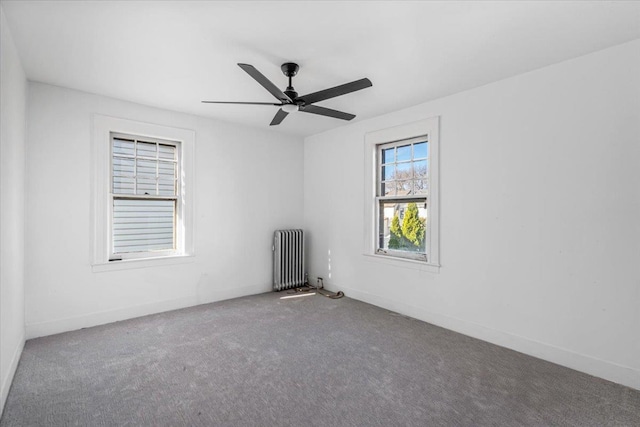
<point>144,193</point>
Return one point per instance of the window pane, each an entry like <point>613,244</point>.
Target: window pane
<point>145,168</point>
<point>404,153</point>
<point>167,187</point>
<point>421,186</point>
<point>420,150</point>
<point>123,166</point>
<point>420,169</point>
<point>146,149</point>
<point>123,185</point>
<point>166,151</point>
<point>403,171</point>
<point>166,170</point>
<point>402,226</point>
<point>404,188</point>
<point>387,172</point>
<point>122,147</point>
<point>146,187</point>
<point>143,225</point>
<point>388,155</point>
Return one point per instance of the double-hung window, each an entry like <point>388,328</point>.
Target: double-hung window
<point>402,194</point>
<point>143,194</point>
<point>144,197</point>
<point>402,197</point>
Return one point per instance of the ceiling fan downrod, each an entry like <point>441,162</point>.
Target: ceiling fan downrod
<point>290,69</point>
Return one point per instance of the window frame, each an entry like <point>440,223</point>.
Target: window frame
<point>101,256</point>
<point>425,130</point>
<point>418,198</point>
<point>178,212</point>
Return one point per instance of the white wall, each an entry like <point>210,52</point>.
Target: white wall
<point>242,194</point>
<point>540,208</point>
<point>13,97</point>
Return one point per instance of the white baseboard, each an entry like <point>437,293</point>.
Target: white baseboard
<point>41,329</point>
<point>8,379</point>
<point>616,373</point>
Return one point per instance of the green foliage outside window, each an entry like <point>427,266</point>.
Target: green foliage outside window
<point>395,240</point>
<point>411,235</point>
<point>413,226</point>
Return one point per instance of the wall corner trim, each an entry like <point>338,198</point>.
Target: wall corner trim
<point>13,366</point>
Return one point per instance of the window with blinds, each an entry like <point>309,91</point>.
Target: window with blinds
<point>144,195</point>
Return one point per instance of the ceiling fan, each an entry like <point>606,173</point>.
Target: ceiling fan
<point>289,99</point>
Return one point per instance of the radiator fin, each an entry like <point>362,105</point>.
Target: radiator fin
<point>288,259</point>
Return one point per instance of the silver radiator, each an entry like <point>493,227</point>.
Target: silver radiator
<point>288,259</point>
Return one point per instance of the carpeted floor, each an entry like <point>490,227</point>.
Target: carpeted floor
<point>308,361</point>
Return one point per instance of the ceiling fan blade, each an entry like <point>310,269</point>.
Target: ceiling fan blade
<point>265,82</point>
<point>240,103</point>
<point>336,91</point>
<point>314,109</point>
<point>279,117</point>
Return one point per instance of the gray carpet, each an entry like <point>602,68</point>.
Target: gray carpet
<point>309,361</point>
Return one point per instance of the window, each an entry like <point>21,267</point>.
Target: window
<point>401,194</point>
<point>142,192</point>
<point>144,196</point>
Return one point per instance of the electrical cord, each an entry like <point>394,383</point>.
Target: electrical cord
<point>319,289</point>
<point>331,295</point>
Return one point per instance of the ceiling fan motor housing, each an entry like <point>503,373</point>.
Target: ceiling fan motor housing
<point>290,69</point>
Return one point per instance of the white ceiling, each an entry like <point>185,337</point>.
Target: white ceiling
<point>174,54</point>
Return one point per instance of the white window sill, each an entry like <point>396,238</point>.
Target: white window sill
<point>403,262</point>
<point>142,263</point>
